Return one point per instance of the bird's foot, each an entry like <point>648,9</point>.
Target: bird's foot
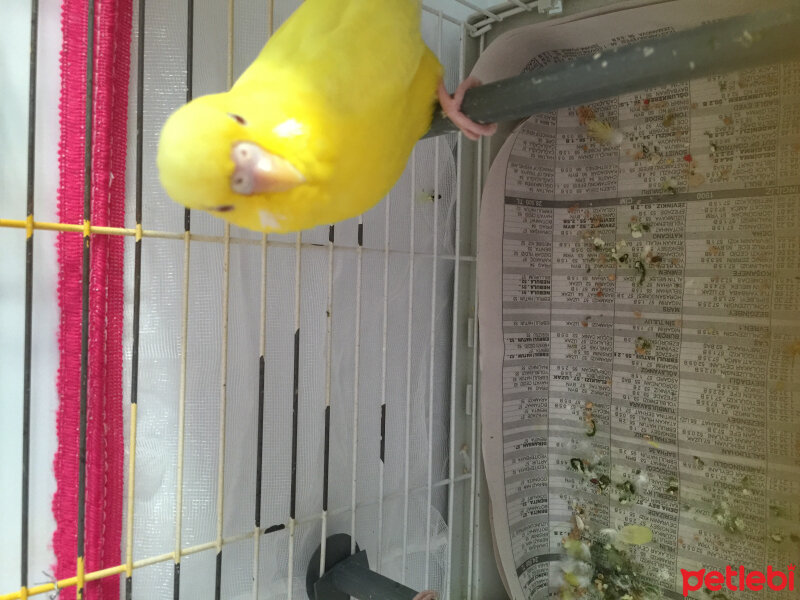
<point>426,595</point>
<point>451,105</point>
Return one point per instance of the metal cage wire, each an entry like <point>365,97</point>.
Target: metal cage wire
<point>463,344</point>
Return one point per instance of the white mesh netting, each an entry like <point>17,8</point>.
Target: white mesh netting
<point>161,350</point>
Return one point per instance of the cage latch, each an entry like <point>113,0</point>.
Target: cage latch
<point>550,7</point>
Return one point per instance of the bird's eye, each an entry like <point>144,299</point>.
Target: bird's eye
<point>224,208</point>
<point>238,118</point>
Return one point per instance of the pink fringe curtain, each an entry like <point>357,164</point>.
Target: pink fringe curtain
<point>105,436</point>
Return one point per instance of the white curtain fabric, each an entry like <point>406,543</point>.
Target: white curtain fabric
<point>14,73</point>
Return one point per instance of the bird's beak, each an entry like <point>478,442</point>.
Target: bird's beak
<point>258,172</point>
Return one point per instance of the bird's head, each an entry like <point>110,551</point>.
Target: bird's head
<point>211,157</point>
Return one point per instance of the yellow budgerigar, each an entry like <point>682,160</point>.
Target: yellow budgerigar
<point>319,127</point>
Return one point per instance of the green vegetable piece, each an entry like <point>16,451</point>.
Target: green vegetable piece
<point>635,535</point>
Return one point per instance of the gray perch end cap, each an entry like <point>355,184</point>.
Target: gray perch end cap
<point>347,575</point>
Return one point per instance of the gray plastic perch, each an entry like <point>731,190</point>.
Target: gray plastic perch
<point>715,48</point>
<point>349,575</point>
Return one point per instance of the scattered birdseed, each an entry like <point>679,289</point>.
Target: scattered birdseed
<point>727,519</point>
<point>638,229</point>
<point>627,491</point>
<point>604,133</point>
<point>601,568</point>
<point>643,345</point>
<point>672,486</point>
<point>579,523</point>
<point>669,185</point>
<point>620,252</point>
<point>585,114</point>
<point>577,464</point>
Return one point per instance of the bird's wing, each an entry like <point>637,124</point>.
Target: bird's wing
<point>352,53</point>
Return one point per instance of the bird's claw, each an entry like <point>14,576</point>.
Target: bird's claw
<point>426,595</point>
<point>451,105</point>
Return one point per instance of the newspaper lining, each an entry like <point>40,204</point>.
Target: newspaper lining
<point>640,318</point>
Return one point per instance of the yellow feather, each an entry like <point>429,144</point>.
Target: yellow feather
<point>342,91</point>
